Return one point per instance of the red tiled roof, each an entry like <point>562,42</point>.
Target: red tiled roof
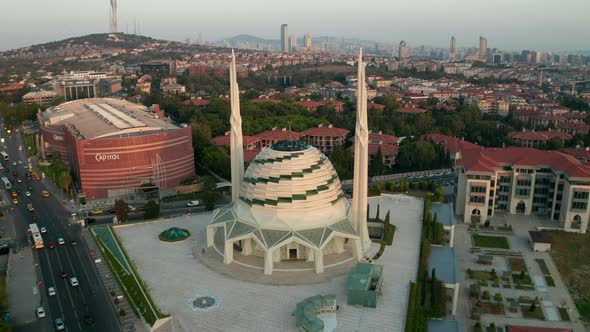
<point>374,105</point>
<point>308,103</point>
<point>383,138</point>
<point>513,328</point>
<point>196,102</point>
<point>452,144</point>
<point>573,125</point>
<point>485,159</point>
<point>410,110</point>
<point>539,135</point>
<point>277,135</point>
<point>578,153</point>
<point>265,100</point>
<point>325,131</point>
<point>249,155</point>
<point>386,149</point>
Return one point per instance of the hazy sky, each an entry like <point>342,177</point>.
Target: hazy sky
<point>508,24</point>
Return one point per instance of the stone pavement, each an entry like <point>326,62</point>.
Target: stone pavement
<point>23,293</point>
<point>175,276</point>
<point>130,322</point>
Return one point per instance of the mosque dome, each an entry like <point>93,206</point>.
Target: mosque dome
<point>291,186</point>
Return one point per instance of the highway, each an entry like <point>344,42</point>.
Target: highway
<point>71,304</point>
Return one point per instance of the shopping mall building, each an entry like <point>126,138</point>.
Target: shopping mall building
<point>115,147</point>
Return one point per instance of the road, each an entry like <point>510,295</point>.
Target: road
<point>70,303</point>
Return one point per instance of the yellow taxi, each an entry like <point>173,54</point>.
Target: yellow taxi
<point>96,211</point>
<point>45,193</point>
<point>15,201</point>
<point>14,194</point>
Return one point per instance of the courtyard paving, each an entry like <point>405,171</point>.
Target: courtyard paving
<point>175,275</point>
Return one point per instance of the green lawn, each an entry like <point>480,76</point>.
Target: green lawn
<point>565,316</point>
<point>524,280</point>
<point>485,241</point>
<point>480,275</point>
<point>535,314</point>
<point>30,142</point>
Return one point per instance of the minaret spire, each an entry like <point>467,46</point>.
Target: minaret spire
<point>236,139</point>
<point>361,158</point>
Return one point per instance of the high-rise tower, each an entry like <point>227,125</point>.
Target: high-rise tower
<point>292,43</point>
<point>236,138</point>
<point>284,38</point>
<point>453,49</point>
<point>114,24</point>
<point>361,158</point>
<point>483,47</point>
<point>403,50</point>
<point>307,41</point>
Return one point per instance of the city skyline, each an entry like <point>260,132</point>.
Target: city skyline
<point>460,20</point>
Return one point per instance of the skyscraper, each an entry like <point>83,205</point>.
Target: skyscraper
<point>483,47</point>
<point>292,43</point>
<point>453,49</point>
<point>284,38</point>
<point>307,41</point>
<point>403,50</point>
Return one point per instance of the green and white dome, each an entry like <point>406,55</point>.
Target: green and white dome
<point>291,186</point>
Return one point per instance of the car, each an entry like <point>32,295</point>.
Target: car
<point>74,243</point>
<point>30,207</point>
<point>34,218</point>
<point>29,188</point>
<point>26,167</point>
<point>14,194</point>
<point>36,177</point>
<point>193,203</point>
<point>14,173</point>
<point>19,180</point>
<point>51,291</point>
<point>40,312</point>
<point>74,281</point>
<point>6,170</point>
<point>15,201</point>
<point>28,194</point>
<point>63,275</point>
<point>14,163</point>
<point>59,324</point>
<point>43,230</point>
<point>88,319</point>
<point>132,208</point>
<point>20,148</point>
<point>96,211</point>
<point>61,241</point>
<point>20,162</point>
<point>51,245</point>
<point>45,193</point>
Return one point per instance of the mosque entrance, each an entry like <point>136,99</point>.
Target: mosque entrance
<point>292,253</point>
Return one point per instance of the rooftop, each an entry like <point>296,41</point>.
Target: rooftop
<point>105,117</point>
<point>442,259</point>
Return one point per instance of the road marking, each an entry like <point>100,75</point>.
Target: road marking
<point>54,285</point>
<point>68,289</point>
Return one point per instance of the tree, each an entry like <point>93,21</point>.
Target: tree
<point>376,164</point>
<point>439,197</point>
<point>554,144</point>
<point>433,295</point>
<point>209,199</point>
<point>122,210</point>
<point>151,210</point>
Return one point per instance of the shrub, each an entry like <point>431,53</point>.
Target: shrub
<point>486,295</point>
<point>498,297</point>
<point>122,312</point>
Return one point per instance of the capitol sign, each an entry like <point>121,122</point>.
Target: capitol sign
<point>106,156</point>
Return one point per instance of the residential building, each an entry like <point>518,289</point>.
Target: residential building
<point>403,50</point>
<point>39,97</point>
<point>307,41</point>
<point>535,139</point>
<point>270,137</point>
<point>550,184</point>
<point>453,49</point>
<point>162,68</point>
<point>325,138</point>
<point>483,48</point>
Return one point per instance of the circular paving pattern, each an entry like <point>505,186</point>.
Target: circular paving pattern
<point>203,302</point>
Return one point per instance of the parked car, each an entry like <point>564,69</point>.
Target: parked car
<point>193,203</point>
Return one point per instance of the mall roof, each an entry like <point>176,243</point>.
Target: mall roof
<point>486,159</point>
<point>105,118</point>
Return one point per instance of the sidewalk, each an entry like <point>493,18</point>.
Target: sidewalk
<point>23,293</point>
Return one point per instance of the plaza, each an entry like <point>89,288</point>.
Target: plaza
<point>178,273</point>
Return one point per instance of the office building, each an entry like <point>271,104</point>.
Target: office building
<point>483,48</point>
<point>403,50</point>
<point>307,41</point>
<point>284,38</point>
<point>453,49</point>
<point>161,68</point>
<point>86,84</point>
<point>292,43</point>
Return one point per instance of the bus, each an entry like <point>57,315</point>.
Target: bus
<point>6,183</point>
<point>36,236</point>
<point>4,155</point>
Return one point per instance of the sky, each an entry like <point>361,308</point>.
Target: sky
<point>545,25</point>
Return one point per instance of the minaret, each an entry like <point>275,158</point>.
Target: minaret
<point>361,159</point>
<point>236,139</point>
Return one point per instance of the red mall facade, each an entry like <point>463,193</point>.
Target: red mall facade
<point>111,167</point>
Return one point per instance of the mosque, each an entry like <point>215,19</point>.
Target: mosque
<point>289,204</point>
